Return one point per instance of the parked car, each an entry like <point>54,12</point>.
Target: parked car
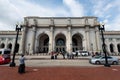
<point>80,53</point>
<point>101,60</point>
<point>84,53</point>
<point>5,56</point>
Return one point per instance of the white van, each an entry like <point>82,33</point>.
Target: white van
<point>81,53</point>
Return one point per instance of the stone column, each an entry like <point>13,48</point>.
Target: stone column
<point>97,38</point>
<point>51,39</point>
<point>107,45</point>
<point>69,40</point>
<point>115,47</point>
<point>84,43</point>
<point>6,43</point>
<point>87,39</point>
<point>23,40</point>
<point>32,46</point>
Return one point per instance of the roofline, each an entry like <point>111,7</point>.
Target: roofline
<point>59,17</point>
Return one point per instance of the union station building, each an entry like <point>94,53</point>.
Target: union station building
<point>41,35</point>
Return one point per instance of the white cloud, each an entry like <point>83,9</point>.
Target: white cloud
<point>4,26</point>
<point>8,15</point>
<point>107,7</point>
<point>101,8</point>
<point>76,9</point>
<point>115,25</point>
<point>15,10</point>
<point>26,8</point>
<point>114,21</point>
<point>108,12</point>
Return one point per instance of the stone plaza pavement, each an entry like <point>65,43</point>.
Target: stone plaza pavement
<point>43,68</point>
<point>45,60</point>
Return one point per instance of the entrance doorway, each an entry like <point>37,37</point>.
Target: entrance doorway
<point>77,42</point>
<point>60,41</point>
<point>43,43</point>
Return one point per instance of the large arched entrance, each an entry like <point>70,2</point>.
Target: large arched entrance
<point>60,43</point>
<point>43,43</point>
<point>77,42</point>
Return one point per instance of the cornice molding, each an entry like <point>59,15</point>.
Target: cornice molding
<point>112,32</point>
<point>9,33</point>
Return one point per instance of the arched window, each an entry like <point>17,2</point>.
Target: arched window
<point>9,46</point>
<point>77,43</point>
<point>118,47</point>
<point>111,48</point>
<point>43,43</point>
<point>60,42</point>
<point>46,42</point>
<point>74,41</point>
<point>2,45</point>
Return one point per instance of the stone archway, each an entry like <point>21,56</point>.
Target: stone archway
<point>77,43</point>
<point>118,47</point>
<point>9,46</point>
<point>2,45</point>
<point>43,43</point>
<point>60,43</point>
<point>111,48</point>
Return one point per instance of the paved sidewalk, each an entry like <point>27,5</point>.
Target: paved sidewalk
<point>43,68</point>
<point>44,63</point>
<point>61,73</point>
<point>48,57</point>
<point>43,57</point>
<point>45,60</point>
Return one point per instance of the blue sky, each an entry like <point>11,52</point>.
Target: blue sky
<point>13,11</point>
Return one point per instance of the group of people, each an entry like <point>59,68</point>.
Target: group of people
<point>55,54</point>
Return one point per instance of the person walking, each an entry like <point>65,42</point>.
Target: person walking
<point>21,68</point>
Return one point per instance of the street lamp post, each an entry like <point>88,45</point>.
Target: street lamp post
<point>101,29</point>
<point>18,28</point>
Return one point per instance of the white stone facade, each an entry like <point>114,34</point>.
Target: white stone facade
<point>46,34</point>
